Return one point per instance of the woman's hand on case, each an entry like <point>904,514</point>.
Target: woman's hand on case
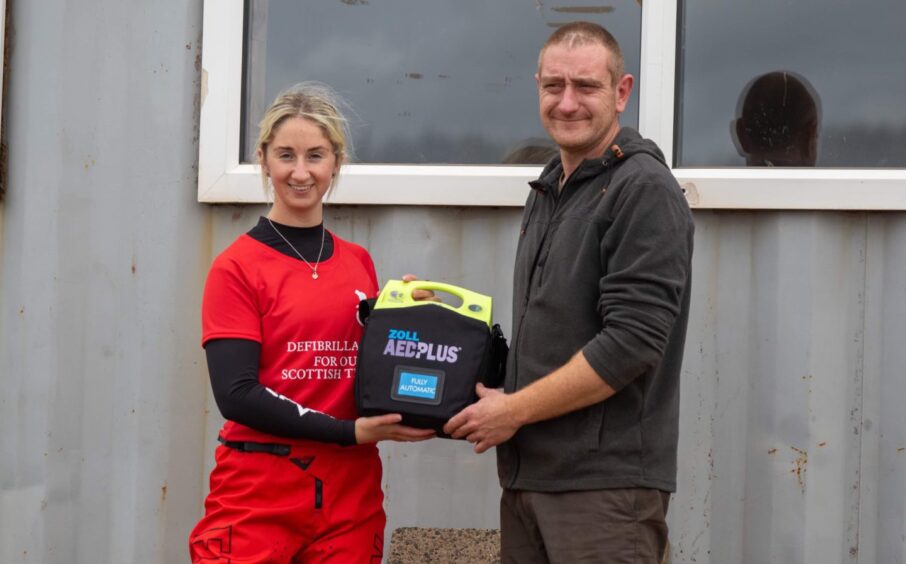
<point>388,428</point>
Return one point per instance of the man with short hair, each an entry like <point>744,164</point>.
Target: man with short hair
<point>586,426</point>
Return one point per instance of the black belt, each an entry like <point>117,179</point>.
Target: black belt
<point>246,446</point>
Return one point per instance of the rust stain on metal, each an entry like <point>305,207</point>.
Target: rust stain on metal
<point>443,76</point>
<point>901,449</point>
<point>133,265</point>
<point>772,450</point>
<point>584,9</point>
<point>200,84</point>
<point>799,466</point>
<point>204,86</point>
<point>163,492</point>
<point>414,75</point>
<point>822,443</point>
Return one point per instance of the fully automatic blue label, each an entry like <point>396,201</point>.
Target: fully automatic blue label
<point>417,385</point>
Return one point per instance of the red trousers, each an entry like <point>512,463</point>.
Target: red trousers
<point>318,504</point>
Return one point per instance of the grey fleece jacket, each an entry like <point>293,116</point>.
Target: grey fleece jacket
<point>602,267</point>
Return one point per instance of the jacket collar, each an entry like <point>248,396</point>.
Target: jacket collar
<point>627,142</point>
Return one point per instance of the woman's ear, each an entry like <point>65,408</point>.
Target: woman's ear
<point>260,154</point>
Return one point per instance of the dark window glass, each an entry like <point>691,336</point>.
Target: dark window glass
<point>430,81</point>
<point>791,83</point>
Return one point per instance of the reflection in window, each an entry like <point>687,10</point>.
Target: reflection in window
<point>823,85</point>
<point>777,120</point>
<point>428,81</point>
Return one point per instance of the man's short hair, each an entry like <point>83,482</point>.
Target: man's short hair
<point>575,34</point>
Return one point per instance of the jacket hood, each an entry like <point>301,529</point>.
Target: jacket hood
<point>627,143</point>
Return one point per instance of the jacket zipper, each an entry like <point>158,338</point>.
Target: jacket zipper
<point>528,292</point>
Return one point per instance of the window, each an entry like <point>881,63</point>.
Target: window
<point>822,85</point>
<point>841,54</point>
<point>443,94</point>
<point>436,82</point>
<point>420,60</point>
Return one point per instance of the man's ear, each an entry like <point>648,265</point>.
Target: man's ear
<point>623,90</point>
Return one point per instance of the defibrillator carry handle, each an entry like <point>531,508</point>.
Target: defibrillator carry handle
<point>398,294</point>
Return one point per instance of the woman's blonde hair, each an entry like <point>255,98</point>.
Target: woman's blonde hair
<point>311,100</point>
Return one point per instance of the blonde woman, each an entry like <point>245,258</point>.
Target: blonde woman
<point>297,475</point>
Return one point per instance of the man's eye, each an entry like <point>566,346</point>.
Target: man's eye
<point>553,87</point>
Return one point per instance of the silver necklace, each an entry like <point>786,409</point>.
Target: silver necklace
<point>314,268</point>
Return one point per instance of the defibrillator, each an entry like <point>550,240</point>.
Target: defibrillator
<point>422,359</point>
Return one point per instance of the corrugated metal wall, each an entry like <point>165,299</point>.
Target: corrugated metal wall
<point>792,442</point>
<point>102,390</point>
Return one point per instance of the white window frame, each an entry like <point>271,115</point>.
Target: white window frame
<point>223,179</point>
<point>2,73</point>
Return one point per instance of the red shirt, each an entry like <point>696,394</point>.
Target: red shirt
<point>308,329</point>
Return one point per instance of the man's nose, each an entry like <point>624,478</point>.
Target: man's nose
<point>568,101</point>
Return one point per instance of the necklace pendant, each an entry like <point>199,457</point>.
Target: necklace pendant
<point>314,275</point>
